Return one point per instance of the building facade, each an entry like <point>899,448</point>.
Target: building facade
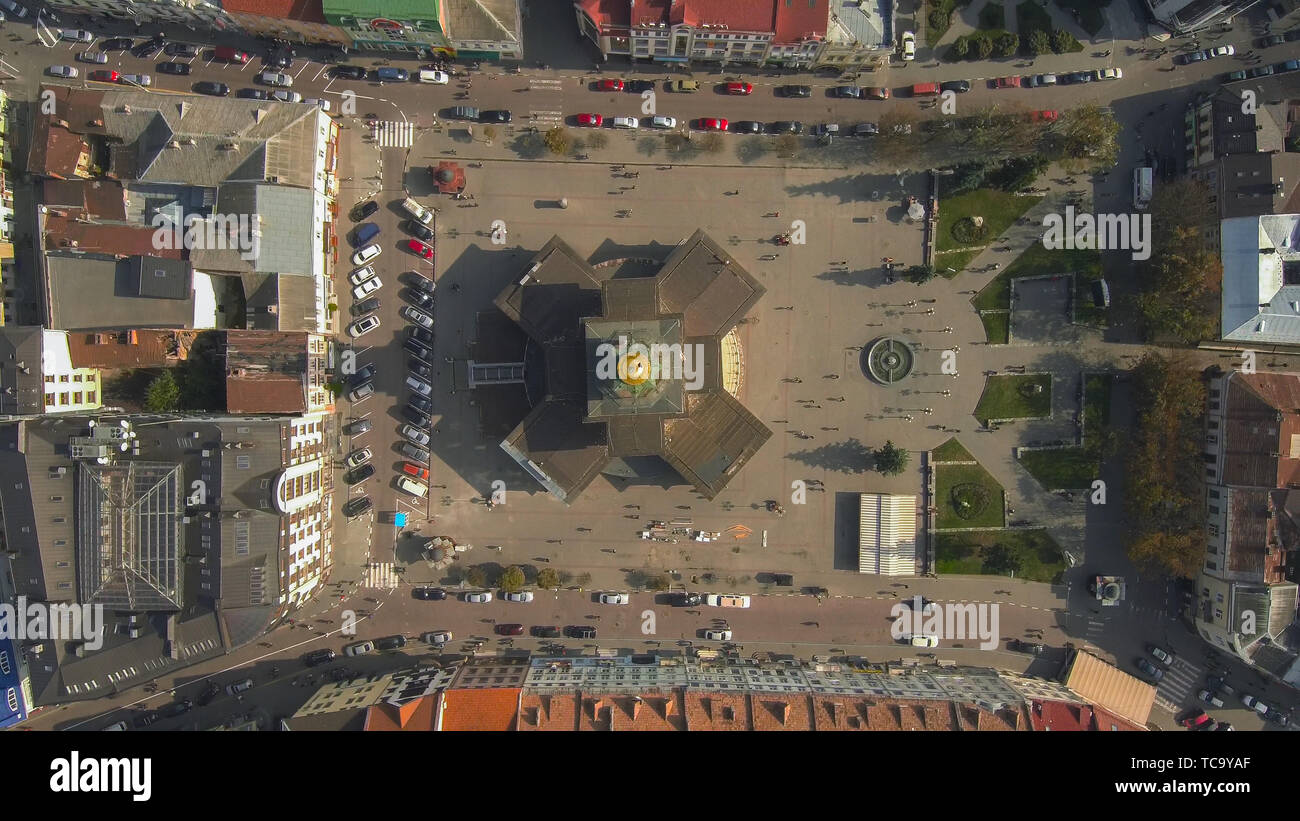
<point>417,26</point>
<point>193,13</point>
<point>7,293</point>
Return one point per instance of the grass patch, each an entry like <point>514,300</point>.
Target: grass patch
<point>998,208</point>
<point>956,260</point>
<point>1037,260</point>
<point>972,483</point>
<point>951,451</point>
<point>993,16</point>
<point>1096,399</point>
<point>1086,12</point>
<point>1017,396</point>
<point>1039,556</point>
<point>938,18</point>
<point>1076,468</point>
<point>997,327</point>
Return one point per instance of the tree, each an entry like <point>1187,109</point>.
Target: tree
<point>1090,133</point>
<point>711,143</point>
<point>1000,560</point>
<point>490,134</point>
<point>1008,44</point>
<point>921,274</point>
<point>558,140</point>
<point>983,48</point>
<point>659,582</point>
<point>512,580</point>
<point>1063,41</point>
<point>476,576</point>
<point>163,394</point>
<point>960,48</point>
<point>939,19</point>
<point>1038,43</point>
<point>891,460</point>
<point>548,579</point>
<point>598,139</point>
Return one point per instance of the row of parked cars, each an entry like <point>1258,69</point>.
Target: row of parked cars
<point>1283,67</point>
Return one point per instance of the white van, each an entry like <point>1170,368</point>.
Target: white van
<point>410,206</point>
<point>1143,180</point>
<point>430,76</point>
<point>409,485</point>
<point>726,600</point>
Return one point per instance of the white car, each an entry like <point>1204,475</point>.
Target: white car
<point>361,392</point>
<point>359,457</point>
<point>524,597</point>
<point>909,46</point>
<point>369,286</point>
<point>324,105</point>
<point>76,35</point>
<point>275,78</point>
<point>437,637</point>
<point>663,122</point>
<point>142,80</point>
<point>416,435</point>
<point>614,598</point>
<point>1220,51</point>
<point>363,326</point>
<point>96,57</point>
<point>359,648</point>
<point>925,641</point>
<point>439,78</point>
<point>417,316</point>
<point>717,635</point>
<point>286,96</point>
<point>624,122</point>
<point>361,275</point>
<point>1111,73</point>
<point>366,254</point>
<point>62,71</point>
<point>478,598</point>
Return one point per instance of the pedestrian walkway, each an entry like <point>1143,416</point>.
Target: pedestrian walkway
<point>546,118</point>
<point>391,134</point>
<point>380,576</point>
<point>1179,682</point>
<point>545,84</point>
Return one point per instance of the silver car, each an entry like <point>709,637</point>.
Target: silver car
<point>478,598</point>
<point>62,71</point>
<point>275,78</point>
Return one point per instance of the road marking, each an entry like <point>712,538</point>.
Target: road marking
<point>556,117</point>
<point>391,134</point>
<point>321,71</point>
<point>539,84</point>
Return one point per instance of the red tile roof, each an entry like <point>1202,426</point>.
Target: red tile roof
<point>307,11</point>
<point>607,13</point>
<point>1068,716</point>
<point>418,715</point>
<point>64,233</point>
<point>717,711</point>
<point>801,19</point>
<point>778,711</point>
<point>549,711</point>
<point>494,710</point>
<point>126,349</point>
<point>102,199</point>
<point>1262,430</point>
<point>737,15</point>
<point>651,710</point>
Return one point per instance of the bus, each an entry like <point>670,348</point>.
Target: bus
<point>1142,181</point>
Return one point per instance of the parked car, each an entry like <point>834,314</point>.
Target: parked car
<point>97,57</point>
<point>358,457</point>
<point>390,643</point>
<point>1150,669</point>
<point>1260,71</point>
<point>747,127</point>
<point>142,80</point>
<point>1219,51</point>
<point>357,505</point>
<point>420,282</point>
<point>348,72</point>
<point>478,598</point>
<point>429,593</point>
<point>363,326</point>
<point>739,88</point>
<point>180,50</point>
<point>68,72</point>
<point>877,93</point>
<point>253,94</point>
<point>545,631</point>
<point>510,629</point>
<point>286,96</point>
<point>417,229</point>
<point>1166,658</point>
<point>418,367</point>
<point>609,85</point>
<point>1210,698</point>
<point>865,130</point>
<point>365,306</point>
<point>463,112</point>
<point>366,374</point>
<point>419,299</point>
<point>415,471</point>
<point>1195,720</point>
<point>663,122</point>
<point>359,648</point>
<point>712,124</point>
<point>417,316</point>
<point>415,417</point>
<point>495,115</point>
<point>1286,66</point>
<point>318,657</point>
<point>275,78</point>
<point>717,635</point>
<point>1271,40</point>
<point>787,127</point>
<point>1190,57</point>
<point>685,599</point>
<point>144,720</point>
<point>1111,73</point>
<point>418,348</point>
<point>414,434</point>
<point>211,88</point>
<point>614,598</point>
<point>1033,648</point>
<point>590,120</point>
<point>419,249</point>
<point>923,641</point>
<point>180,69</point>
<point>523,596</point>
<point>368,287</point>
<point>105,75</point>
<point>178,708</point>
<point>79,36</point>
<point>366,254</point>
<point>237,687</point>
<point>1277,717</point>
<point>909,46</point>
<point>359,475</point>
<point>359,426</point>
<point>639,86</point>
<point>1255,704</point>
<point>1007,82</point>
<point>437,638</point>
<point>581,631</point>
<point>847,92</point>
<point>795,91</point>
<point>956,86</point>
<point>628,123</point>
<point>684,86</point>
<point>116,44</point>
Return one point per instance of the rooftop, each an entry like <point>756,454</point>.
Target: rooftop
<point>266,372</point>
<point>89,292</point>
<point>22,380</point>
<point>1261,278</point>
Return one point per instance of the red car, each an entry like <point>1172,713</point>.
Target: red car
<point>1043,116</point>
<point>740,88</point>
<point>105,76</point>
<point>416,471</point>
<point>510,629</point>
<point>878,93</point>
<point>1007,82</point>
<point>712,124</point>
<point>591,120</point>
<point>1196,720</point>
<point>610,85</point>
<point>417,247</point>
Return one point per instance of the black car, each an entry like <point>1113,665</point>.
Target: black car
<point>210,692</point>
<point>179,708</point>
<point>686,600</point>
<point>1030,647</point>
<point>419,368</point>
<point>1271,40</point>
<point>422,283</point>
<point>421,403</point>
<point>429,593</point>
<point>390,643</point>
<point>422,334</point>
<point>747,127</point>
<point>418,348</point>
<point>358,426</point>
<point>955,86</point>
<point>865,130</point>
<point>348,72</point>
<point>142,721</point>
<point>418,298</point>
<point>181,69</point>
<point>209,87</point>
<point>496,115</point>
<point>180,50</point>
<point>1184,59</point>
<point>253,94</point>
<point>116,44</point>
<point>418,230</point>
<point>322,656</point>
<point>545,632</point>
<point>366,373</point>
<point>580,631</point>
<point>638,86</point>
<point>147,49</point>
<point>1260,71</point>
<point>277,59</point>
<point>796,91</point>
<point>365,306</point>
<point>787,127</point>
<point>365,210</point>
<point>356,506</point>
<point>847,92</point>
<point>420,420</point>
<point>360,474</point>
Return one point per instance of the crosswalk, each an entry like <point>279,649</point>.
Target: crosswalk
<point>542,84</point>
<point>392,134</point>
<point>546,118</point>
<point>1181,680</point>
<point>380,575</point>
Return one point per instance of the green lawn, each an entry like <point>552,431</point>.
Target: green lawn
<point>1037,260</point>
<point>974,484</point>
<point>1040,556</point>
<point>998,208</point>
<point>951,451</point>
<point>956,260</point>
<point>997,327</point>
<point>992,16</point>
<point>1061,468</point>
<point>1090,16</point>
<point>1011,397</point>
<point>1096,400</point>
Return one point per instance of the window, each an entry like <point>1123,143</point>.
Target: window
<point>1211,566</point>
<point>1218,597</point>
<point>56,498</point>
<point>1214,511</point>
<point>1214,494</point>
<point>1214,529</point>
<point>1214,424</point>
<point>12,699</point>
<point>1218,614</point>
<point>4,662</point>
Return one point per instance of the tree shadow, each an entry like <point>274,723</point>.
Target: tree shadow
<point>849,456</point>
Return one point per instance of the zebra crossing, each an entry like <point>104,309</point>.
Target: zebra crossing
<point>392,134</point>
<point>380,575</point>
<point>546,118</point>
<point>1182,679</point>
<point>543,84</point>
